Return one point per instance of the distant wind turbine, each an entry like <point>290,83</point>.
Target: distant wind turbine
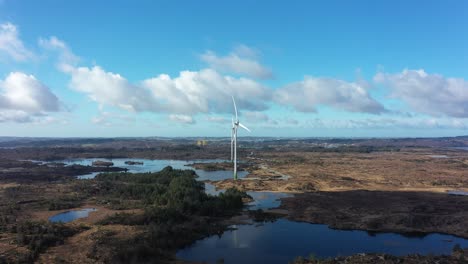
<point>235,124</point>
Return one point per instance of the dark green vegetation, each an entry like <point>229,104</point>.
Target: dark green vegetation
<point>169,209</point>
<point>28,171</point>
<point>219,166</point>
<point>176,212</point>
<point>459,256</point>
<point>65,202</point>
<point>37,236</point>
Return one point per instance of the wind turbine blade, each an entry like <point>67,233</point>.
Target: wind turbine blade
<point>244,127</point>
<point>235,107</point>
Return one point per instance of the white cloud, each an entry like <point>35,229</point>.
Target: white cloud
<point>388,123</point>
<point>184,119</point>
<point>260,119</point>
<point>206,91</point>
<point>255,116</point>
<point>190,93</point>
<point>16,116</point>
<point>110,89</point>
<point>109,119</point>
<point>48,120</point>
<point>23,96</point>
<point>243,60</point>
<point>431,94</point>
<point>306,95</point>
<point>11,44</point>
<point>67,60</point>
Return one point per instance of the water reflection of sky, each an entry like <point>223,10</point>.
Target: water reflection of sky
<point>456,192</point>
<point>69,216</point>
<point>283,240</point>
<point>280,241</point>
<point>266,200</point>
<point>157,165</point>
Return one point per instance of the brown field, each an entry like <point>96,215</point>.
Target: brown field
<point>393,190</point>
<point>405,170</point>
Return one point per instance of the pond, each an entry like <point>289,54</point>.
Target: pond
<point>439,156</point>
<point>283,240</point>
<point>69,216</point>
<point>457,192</point>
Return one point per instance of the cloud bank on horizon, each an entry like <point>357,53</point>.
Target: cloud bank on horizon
<point>410,98</point>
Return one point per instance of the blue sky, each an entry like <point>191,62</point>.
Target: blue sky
<point>296,68</point>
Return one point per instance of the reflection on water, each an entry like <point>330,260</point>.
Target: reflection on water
<point>157,165</point>
<point>455,192</point>
<point>439,156</point>
<point>87,176</point>
<point>69,216</point>
<point>261,200</point>
<point>266,200</point>
<point>211,189</point>
<point>283,240</point>
<point>462,148</point>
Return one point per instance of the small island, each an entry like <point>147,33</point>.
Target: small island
<point>101,163</point>
<point>215,166</point>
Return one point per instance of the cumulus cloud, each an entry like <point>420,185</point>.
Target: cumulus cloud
<point>24,92</point>
<point>23,97</point>
<point>206,91</point>
<point>243,60</point>
<point>67,60</point>
<point>190,93</point>
<point>184,119</point>
<point>11,45</point>
<point>431,94</point>
<point>110,89</point>
<point>306,95</point>
<point>16,116</point>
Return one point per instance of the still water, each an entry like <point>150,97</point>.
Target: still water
<point>266,200</point>
<point>69,216</point>
<point>157,165</point>
<point>280,241</point>
<point>283,240</point>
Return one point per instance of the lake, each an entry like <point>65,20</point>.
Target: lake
<point>157,165</point>
<point>283,240</point>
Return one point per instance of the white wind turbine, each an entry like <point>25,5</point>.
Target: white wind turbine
<point>235,124</point>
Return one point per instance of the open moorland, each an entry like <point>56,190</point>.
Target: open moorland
<point>391,185</point>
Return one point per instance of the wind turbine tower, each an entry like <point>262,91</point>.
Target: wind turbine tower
<point>235,125</point>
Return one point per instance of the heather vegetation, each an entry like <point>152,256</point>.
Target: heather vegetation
<point>172,207</point>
